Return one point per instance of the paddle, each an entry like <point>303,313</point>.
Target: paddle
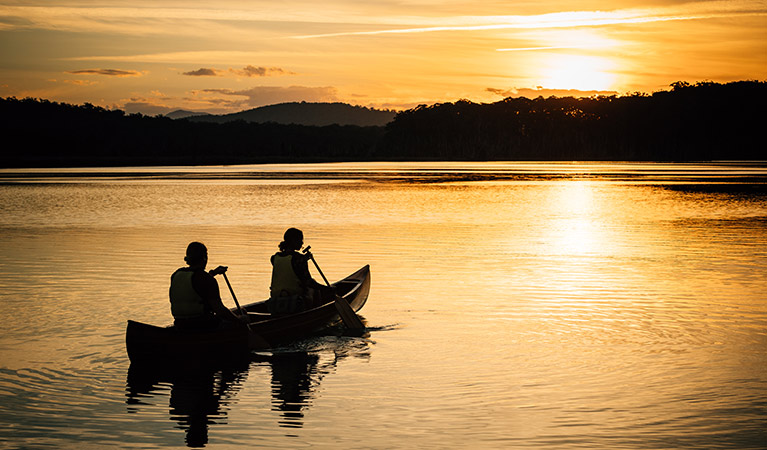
<point>239,308</point>
<point>254,340</point>
<point>349,317</point>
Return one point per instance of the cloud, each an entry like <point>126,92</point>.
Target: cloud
<point>269,95</point>
<point>247,71</point>
<point>251,71</point>
<point>80,82</point>
<point>107,72</point>
<point>159,103</point>
<point>541,92</point>
<point>148,108</point>
<point>202,72</point>
<point>155,103</point>
<point>221,101</point>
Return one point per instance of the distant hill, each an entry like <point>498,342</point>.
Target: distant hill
<point>303,113</point>
<point>183,114</point>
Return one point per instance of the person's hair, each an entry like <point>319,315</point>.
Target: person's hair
<point>196,252</point>
<point>291,239</point>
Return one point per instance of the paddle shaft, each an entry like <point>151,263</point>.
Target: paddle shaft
<point>242,311</point>
<point>320,271</point>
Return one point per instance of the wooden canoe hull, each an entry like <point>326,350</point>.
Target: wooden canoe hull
<point>149,342</point>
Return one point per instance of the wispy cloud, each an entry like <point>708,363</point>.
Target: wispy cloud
<point>529,49</point>
<point>186,20</point>
<point>174,19</point>
<point>575,19</point>
<point>107,72</point>
<point>222,12</point>
<point>190,57</point>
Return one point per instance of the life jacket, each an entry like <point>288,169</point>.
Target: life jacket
<point>185,302</point>
<point>285,282</point>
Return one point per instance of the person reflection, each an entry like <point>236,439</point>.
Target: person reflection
<point>296,377</point>
<point>194,399</point>
<point>292,385</point>
<point>199,397</point>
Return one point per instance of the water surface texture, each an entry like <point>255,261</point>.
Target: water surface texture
<point>513,305</point>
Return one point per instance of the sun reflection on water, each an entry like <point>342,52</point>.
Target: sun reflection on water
<point>575,228</point>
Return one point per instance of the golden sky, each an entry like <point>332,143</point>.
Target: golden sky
<point>226,56</point>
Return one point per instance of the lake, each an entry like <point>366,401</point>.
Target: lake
<point>513,305</point>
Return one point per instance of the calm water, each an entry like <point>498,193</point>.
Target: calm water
<point>513,306</point>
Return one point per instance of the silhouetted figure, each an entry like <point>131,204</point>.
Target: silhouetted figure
<point>293,288</point>
<point>195,301</point>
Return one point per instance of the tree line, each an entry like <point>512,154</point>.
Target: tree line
<point>701,121</point>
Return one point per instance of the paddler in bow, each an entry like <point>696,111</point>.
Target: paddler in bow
<point>293,289</point>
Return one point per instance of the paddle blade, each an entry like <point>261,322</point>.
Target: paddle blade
<point>349,317</point>
<point>256,342</point>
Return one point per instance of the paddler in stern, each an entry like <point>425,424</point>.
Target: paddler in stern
<point>195,300</point>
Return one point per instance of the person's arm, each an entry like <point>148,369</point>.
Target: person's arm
<point>222,311</point>
<point>301,268</point>
<point>211,294</point>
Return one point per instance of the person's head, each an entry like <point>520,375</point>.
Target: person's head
<point>293,239</point>
<point>196,254</point>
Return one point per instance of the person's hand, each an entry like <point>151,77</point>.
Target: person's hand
<point>218,270</point>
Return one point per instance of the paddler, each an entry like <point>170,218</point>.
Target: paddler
<point>195,301</point>
<point>293,288</point>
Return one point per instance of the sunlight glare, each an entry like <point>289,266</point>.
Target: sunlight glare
<point>577,72</point>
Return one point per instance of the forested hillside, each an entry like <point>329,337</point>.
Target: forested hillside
<point>704,121</point>
<point>690,122</point>
<point>41,133</point>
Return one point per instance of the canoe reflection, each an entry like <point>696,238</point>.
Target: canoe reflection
<point>201,397</point>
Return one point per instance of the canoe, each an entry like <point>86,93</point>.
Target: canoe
<point>150,342</point>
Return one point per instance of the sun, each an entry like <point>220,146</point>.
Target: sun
<point>585,73</point>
